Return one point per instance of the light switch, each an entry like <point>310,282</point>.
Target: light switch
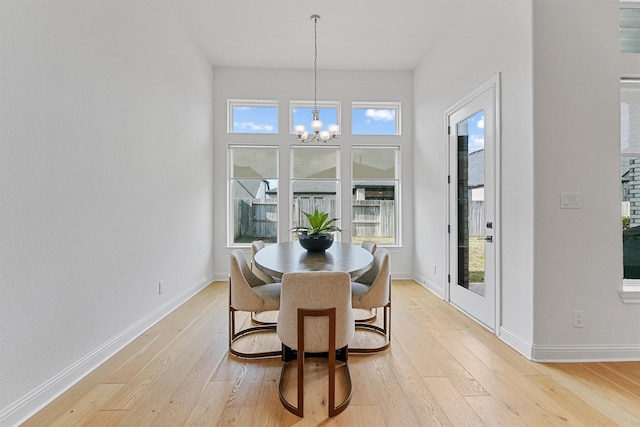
<point>571,201</point>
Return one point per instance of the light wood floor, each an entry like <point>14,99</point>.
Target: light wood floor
<point>441,369</point>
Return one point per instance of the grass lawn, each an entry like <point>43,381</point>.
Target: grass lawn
<point>476,260</point>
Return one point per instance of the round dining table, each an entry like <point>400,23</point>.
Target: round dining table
<point>286,257</point>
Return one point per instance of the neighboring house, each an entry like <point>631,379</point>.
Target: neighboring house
<point>476,176</point>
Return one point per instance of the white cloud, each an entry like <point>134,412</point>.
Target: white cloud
<point>475,143</point>
<point>253,126</point>
<point>480,123</point>
<point>381,115</point>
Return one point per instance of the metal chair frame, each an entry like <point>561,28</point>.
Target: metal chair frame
<point>289,354</point>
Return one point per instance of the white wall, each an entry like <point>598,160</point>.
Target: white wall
<point>286,85</point>
<point>105,185</point>
<point>487,38</point>
<point>578,252</point>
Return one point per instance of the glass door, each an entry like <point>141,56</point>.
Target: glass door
<point>471,208</point>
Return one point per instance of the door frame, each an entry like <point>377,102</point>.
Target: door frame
<point>492,84</point>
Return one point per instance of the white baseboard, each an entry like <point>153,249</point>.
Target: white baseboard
<point>585,353</point>
<point>516,342</point>
<point>38,398</point>
<point>431,286</point>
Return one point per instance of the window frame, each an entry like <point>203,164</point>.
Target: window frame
<point>338,182</point>
<point>230,178</point>
<point>256,103</point>
<point>387,105</point>
<point>397,188</point>
<point>630,292</point>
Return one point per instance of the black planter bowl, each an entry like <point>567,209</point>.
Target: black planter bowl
<point>315,242</point>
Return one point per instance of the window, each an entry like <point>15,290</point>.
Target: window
<point>314,183</point>
<point>300,114</point>
<point>375,192</point>
<point>630,186</point>
<point>252,116</point>
<point>253,198</point>
<point>630,28</point>
<point>375,118</point>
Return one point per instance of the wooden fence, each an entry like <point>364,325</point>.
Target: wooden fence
<point>476,219</point>
<point>373,219</point>
<point>257,218</point>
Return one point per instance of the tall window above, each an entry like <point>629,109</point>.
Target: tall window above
<point>375,189</point>
<point>314,183</point>
<point>375,118</point>
<point>244,116</point>
<point>253,198</point>
<point>630,176</point>
<point>300,114</point>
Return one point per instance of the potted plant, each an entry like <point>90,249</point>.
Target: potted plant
<point>318,236</point>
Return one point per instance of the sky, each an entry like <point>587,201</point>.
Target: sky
<point>365,121</point>
<point>476,131</point>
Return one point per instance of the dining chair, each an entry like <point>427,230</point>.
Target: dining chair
<point>250,294</point>
<point>256,317</point>
<point>316,317</point>
<point>373,295</point>
<point>256,246</point>
<point>370,245</point>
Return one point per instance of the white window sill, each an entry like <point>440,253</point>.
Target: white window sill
<point>630,293</point>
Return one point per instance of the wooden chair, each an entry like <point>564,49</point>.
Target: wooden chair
<point>373,295</point>
<point>250,294</point>
<point>307,300</point>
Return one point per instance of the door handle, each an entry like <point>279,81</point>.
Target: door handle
<point>489,239</point>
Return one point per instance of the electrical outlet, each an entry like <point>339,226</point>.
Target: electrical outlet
<point>578,321</point>
<point>161,287</point>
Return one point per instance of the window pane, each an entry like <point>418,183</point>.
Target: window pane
<point>630,30</point>
<point>248,118</point>
<point>253,194</point>
<point>374,163</point>
<point>374,212</point>
<point>255,210</point>
<point>630,119</point>
<point>630,171</point>
<point>314,163</point>
<point>254,162</point>
<point>374,121</point>
<point>374,189</point>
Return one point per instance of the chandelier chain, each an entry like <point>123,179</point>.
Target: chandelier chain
<point>317,134</point>
<point>315,64</point>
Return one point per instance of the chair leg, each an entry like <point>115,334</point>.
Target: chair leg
<point>233,336</point>
<point>256,321</point>
<point>384,330</point>
<point>341,354</point>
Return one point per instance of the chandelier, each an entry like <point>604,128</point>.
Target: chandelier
<point>316,125</point>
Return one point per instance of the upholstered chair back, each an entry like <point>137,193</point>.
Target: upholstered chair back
<point>315,290</point>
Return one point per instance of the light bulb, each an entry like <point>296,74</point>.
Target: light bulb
<point>324,135</point>
<point>299,130</point>
<point>334,129</point>
<point>316,125</point>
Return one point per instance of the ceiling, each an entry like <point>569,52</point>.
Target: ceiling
<point>352,34</point>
